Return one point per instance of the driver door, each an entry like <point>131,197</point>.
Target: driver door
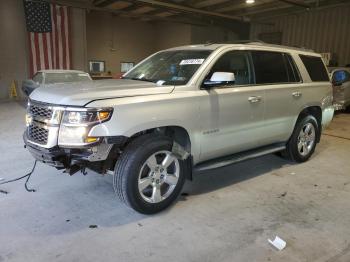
<point>232,115</point>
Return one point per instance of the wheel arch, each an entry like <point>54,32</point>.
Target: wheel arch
<point>316,112</point>
<point>177,133</point>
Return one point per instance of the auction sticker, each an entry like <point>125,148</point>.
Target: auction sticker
<point>192,62</point>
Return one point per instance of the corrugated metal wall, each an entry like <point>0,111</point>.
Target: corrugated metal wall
<point>324,30</point>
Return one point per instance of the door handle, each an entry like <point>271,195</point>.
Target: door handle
<point>254,99</point>
<point>296,94</point>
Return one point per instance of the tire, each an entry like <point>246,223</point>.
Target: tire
<point>347,109</point>
<point>140,179</point>
<point>302,143</point>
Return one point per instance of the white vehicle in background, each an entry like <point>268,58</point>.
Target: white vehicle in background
<point>46,77</point>
<point>341,87</point>
<point>185,109</point>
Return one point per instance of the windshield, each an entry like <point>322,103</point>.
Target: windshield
<point>51,78</point>
<point>169,67</point>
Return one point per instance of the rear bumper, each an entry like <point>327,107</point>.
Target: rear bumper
<point>327,116</point>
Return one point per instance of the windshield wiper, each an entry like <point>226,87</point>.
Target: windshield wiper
<point>139,79</point>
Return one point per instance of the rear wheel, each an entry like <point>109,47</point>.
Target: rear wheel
<point>303,141</point>
<point>148,176</point>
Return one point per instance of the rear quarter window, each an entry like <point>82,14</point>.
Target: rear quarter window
<point>315,68</point>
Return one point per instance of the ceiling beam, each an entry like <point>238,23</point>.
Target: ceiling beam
<point>262,9</point>
<point>188,9</point>
<point>296,3</point>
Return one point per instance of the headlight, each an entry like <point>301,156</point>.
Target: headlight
<point>76,124</point>
<point>85,118</point>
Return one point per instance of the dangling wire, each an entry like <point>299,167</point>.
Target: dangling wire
<point>19,178</point>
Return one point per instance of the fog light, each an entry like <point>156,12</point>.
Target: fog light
<point>91,139</point>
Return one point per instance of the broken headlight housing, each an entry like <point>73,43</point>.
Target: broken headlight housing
<point>77,122</point>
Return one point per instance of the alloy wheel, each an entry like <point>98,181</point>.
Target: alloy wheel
<point>158,176</point>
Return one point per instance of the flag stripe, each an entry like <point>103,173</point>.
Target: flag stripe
<point>37,52</point>
<point>55,19</point>
<point>49,49</point>
<point>41,51</point>
<point>30,55</point>
<point>45,51</point>
<point>52,40</point>
<point>70,65</point>
<point>64,62</point>
<point>33,53</point>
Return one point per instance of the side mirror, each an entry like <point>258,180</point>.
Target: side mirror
<point>219,79</point>
<point>339,77</point>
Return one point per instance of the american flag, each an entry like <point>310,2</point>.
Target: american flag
<point>49,35</point>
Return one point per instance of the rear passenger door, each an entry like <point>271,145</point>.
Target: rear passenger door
<point>281,79</point>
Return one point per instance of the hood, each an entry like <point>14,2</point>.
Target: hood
<point>81,93</point>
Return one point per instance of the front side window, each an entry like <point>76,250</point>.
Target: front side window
<point>236,62</point>
<point>169,67</point>
<point>315,68</point>
<point>270,67</point>
<point>52,78</point>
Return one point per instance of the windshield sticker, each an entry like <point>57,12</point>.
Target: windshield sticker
<point>82,74</point>
<point>192,62</point>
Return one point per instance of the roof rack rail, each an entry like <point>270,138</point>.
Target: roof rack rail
<point>237,42</point>
<point>259,42</point>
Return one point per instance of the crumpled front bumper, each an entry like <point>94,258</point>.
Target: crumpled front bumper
<point>54,156</point>
<point>96,158</point>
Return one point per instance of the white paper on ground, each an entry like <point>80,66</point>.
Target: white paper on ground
<point>1,179</point>
<point>278,243</point>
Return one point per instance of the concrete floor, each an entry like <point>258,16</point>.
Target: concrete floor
<point>228,214</point>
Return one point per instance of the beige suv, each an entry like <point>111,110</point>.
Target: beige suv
<point>181,110</point>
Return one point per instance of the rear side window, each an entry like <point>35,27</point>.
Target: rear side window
<point>315,68</point>
<point>271,67</point>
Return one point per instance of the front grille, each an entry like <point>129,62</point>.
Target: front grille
<point>38,134</point>
<point>40,111</point>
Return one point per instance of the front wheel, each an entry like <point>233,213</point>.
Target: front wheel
<point>303,141</point>
<point>148,176</point>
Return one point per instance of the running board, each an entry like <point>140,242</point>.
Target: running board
<point>239,157</point>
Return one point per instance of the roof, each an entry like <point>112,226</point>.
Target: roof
<point>254,44</point>
<point>61,71</point>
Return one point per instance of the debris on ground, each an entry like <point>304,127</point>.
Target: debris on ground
<point>183,196</point>
<point>283,195</point>
<point>278,243</point>
<point>139,224</point>
<point>3,191</point>
<point>67,220</point>
<point>93,226</point>
<point>315,185</point>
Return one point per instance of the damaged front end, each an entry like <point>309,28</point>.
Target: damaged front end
<point>59,136</point>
